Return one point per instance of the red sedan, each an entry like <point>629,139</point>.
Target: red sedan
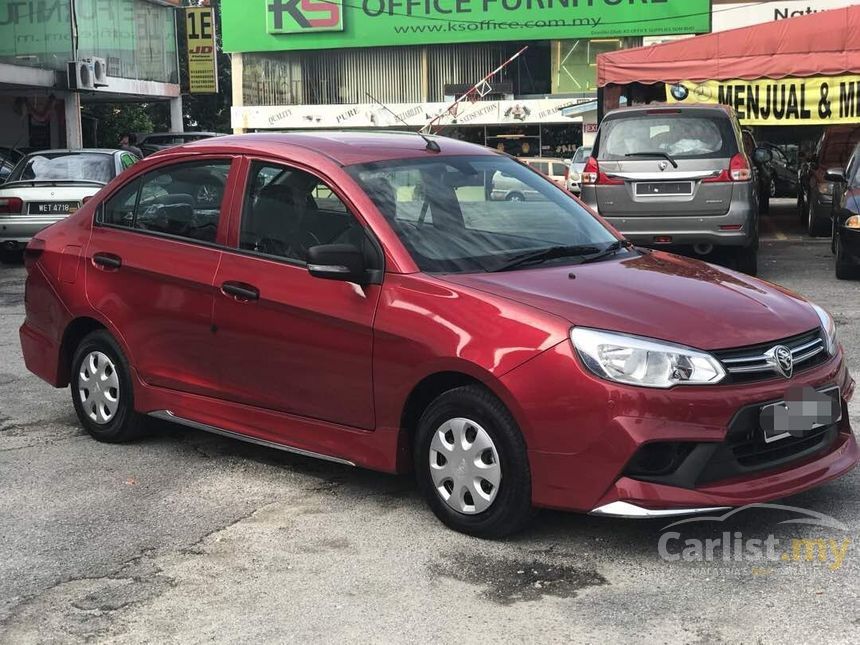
<point>368,299</point>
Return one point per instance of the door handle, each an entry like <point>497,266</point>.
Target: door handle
<point>107,260</point>
<point>241,291</point>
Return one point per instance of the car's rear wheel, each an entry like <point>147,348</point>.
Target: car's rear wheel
<point>746,259</point>
<point>471,464</point>
<point>815,226</point>
<point>101,390</point>
<point>515,197</point>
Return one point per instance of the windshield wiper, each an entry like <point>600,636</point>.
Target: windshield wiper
<point>612,249</point>
<point>551,253</point>
<point>655,153</point>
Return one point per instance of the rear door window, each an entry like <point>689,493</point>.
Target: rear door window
<point>681,136</point>
<point>182,200</point>
<point>557,169</point>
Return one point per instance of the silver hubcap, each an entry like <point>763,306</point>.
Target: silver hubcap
<point>464,465</point>
<point>98,387</point>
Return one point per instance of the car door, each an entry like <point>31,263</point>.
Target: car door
<point>152,258</point>
<point>288,341</point>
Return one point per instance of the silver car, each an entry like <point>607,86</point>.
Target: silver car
<point>676,175</point>
<point>577,165</point>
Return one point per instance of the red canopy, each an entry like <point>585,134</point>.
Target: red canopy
<point>822,44</point>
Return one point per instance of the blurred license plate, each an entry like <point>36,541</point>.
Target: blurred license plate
<point>803,410</point>
<point>53,208</point>
<point>658,188</point>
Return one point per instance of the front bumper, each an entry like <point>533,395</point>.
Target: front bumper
<point>582,461</point>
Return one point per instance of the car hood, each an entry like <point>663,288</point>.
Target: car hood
<point>657,295</point>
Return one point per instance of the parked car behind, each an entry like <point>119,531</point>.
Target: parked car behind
<point>816,201</point>
<point>676,175</point>
<point>577,164</point>
<point>47,186</point>
<point>155,141</point>
<point>783,178</point>
<point>358,297</point>
<point>555,169</point>
<point>845,234</point>
<point>762,172</point>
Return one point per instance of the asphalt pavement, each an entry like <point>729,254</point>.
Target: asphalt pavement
<point>187,537</point>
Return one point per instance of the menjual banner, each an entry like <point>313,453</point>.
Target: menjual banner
<point>821,100</point>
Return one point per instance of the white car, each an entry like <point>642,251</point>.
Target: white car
<point>47,186</point>
<point>577,165</point>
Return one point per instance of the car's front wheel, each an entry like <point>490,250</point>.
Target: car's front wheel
<point>101,390</point>
<point>472,465</point>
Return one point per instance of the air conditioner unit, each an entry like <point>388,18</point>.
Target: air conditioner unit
<point>100,73</point>
<point>81,75</point>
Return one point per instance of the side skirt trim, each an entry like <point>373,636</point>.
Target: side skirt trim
<point>167,415</point>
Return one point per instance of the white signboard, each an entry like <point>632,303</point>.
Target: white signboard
<point>744,14</point>
<point>369,115</point>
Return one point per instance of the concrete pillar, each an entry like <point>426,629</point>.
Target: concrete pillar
<point>177,123</point>
<point>74,132</point>
<point>237,71</point>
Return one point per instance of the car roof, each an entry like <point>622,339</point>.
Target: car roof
<point>342,147</point>
<point>671,107</point>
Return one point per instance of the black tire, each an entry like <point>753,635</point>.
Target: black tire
<point>511,509</point>
<point>746,259</point>
<point>11,257</point>
<point>515,197</point>
<point>844,270</point>
<point>764,204</point>
<point>124,424</point>
<point>815,226</point>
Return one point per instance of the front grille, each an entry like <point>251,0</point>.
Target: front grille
<point>753,452</point>
<point>750,363</point>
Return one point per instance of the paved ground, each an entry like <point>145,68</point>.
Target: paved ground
<point>187,537</point>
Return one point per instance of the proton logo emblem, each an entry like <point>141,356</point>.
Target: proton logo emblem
<point>663,165</point>
<point>781,360</point>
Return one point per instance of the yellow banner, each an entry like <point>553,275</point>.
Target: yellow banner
<point>200,45</point>
<point>823,100</point>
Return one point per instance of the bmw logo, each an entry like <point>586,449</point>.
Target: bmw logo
<point>679,92</point>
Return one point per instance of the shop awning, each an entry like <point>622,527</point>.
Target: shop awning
<point>821,44</point>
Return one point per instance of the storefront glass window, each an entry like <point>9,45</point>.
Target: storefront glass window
<point>137,38</point>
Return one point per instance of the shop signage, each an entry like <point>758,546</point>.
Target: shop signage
<point>411,114</point>
<point>818,100</point>
<point>278,25</point>
<point>744,14</point>
<point>200,45</point>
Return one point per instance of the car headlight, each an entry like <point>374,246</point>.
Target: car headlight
<point>829,328</point>
<point>634,360</point>
<point>825,188</point>
<point>574,176</point>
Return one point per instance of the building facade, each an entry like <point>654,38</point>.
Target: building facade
<point>300,64</point>
<point>38,38</point>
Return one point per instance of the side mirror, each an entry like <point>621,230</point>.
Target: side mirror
<point>762,155</point>
<point>344,262</point>
<point>836,175</point>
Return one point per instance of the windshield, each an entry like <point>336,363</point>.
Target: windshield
<point>682,137</point>
<point>469,214</point>
<point>581,155</point>
<point>70,166</point>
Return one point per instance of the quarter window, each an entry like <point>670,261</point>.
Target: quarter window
<point>184,200</point>
<point>287,211</point>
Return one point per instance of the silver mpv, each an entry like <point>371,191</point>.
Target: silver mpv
<point>676,175</point>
